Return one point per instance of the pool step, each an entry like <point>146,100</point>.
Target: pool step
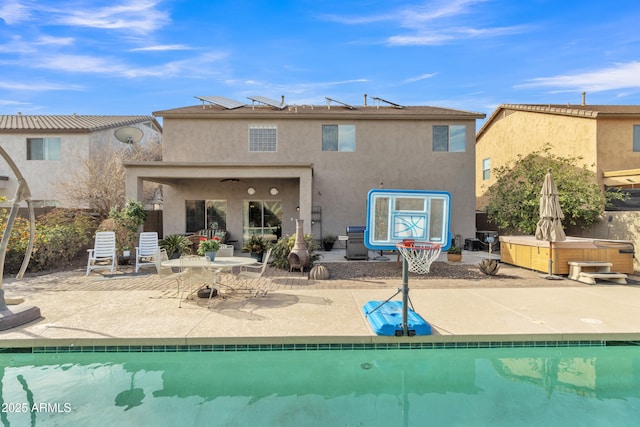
<point>590,278</point>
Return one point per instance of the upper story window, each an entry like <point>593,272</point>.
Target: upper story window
<point>339,138</point>
<point>486,169</point>
<point>263,138</point>
<point>636,138</point>
<point>450,138</point>
<point>43,148</point>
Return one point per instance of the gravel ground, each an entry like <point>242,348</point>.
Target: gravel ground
<point>355,270</point>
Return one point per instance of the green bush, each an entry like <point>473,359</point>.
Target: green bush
<point>280,251</point>
<point>18,241</point>
<point>125,223</point>
<point>60,236</point>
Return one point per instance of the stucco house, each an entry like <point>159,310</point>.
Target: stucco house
<point>46,148</point>
<point>255,167</point>
<point>606,136</point>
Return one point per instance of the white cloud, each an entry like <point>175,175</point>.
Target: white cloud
<point>161,48</point>
<point>420,77</point>
<point>431,23</point>
<point>617,77</point>
<point>36,87</point>
<point>12,12</point>
<point>136,16</point>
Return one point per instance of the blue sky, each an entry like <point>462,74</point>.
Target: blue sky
<point>139,56</point>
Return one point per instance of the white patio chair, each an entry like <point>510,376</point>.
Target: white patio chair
<point>167,273</point>
<point>195,273</point>
<point>103,255</point>
<point>251,276</point>
<point>147,250</point>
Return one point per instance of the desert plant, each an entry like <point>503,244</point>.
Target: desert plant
<point>327,242</point>
<point>454,250</point>
<point>255,245</point>
<point>489,266</point>
<point>281,250</point>
<point>175,244</point>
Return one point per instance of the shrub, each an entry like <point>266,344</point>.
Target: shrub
<point>60,236</point>
<point>18,241</point>
<point>175,243</point>
<point>125,223</point>
<point>280,252</point>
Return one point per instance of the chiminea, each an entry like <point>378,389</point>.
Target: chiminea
<point>299,255</point>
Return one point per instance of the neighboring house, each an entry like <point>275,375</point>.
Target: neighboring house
<point>47,149</point>
<point>606,136</point>
<point>253,169</point>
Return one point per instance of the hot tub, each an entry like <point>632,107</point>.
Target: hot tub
<point>527,252</point>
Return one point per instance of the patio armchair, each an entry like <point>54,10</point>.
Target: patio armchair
<point>167,273</point>
<point>251,277</point>
<point>103,255</point>
<point>147,250</point>
<point>195,273</point>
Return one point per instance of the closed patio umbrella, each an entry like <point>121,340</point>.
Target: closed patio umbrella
<point>549,226</point>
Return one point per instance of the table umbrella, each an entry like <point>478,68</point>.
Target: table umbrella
<point>549,226</point>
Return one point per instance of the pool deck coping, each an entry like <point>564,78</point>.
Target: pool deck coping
<point>79,311</point>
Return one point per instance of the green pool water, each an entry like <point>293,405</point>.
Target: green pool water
<point>551,386</point>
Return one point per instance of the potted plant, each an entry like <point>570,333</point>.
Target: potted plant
<point>175,245</point>
<point>209,247</point>
<point>454,254</point>
<point>255,245</point>
<point>328,241</point>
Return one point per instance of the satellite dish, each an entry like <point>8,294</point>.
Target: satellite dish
<point>129,135</point>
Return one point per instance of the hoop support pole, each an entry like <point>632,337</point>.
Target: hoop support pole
<point>405,296</point>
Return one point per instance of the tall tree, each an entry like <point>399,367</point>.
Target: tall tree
<point>514,199</point>
<point>98,182</point>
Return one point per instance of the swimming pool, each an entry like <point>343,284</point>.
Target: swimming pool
<point>550,386</point>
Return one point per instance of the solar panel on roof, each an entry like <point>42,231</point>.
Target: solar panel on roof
<point>227,103</point>
<point>329,100</point>
<point>268,101</point>
<point>387,102</point>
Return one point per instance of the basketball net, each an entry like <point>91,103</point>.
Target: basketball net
<point>419,255</point>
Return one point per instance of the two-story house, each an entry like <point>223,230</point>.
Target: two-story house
<point>607,137</point>
<point>47,148</point>
<point>252,168</point>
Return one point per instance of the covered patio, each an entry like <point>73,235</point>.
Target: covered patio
<point>287,188</point>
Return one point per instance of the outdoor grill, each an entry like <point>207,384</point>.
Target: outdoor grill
<point>355,243</point>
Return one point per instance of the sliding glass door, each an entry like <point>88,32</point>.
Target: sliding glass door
<point>209,214</point>
<point>262,218</point>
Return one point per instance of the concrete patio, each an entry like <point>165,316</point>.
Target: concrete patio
<point>141,309</point>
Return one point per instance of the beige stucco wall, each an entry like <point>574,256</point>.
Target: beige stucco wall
<point>389,153</point>
<point>615,146</point>
<point>520,133</point>
<point>42,176</point>
<point>616,226</point>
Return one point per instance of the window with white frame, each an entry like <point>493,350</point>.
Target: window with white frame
<point>263,138</point>
<point>339,138</point>
<point>450,138</point>
<point>486,169</point>
<point>636,138</point>
<point>43,148</point>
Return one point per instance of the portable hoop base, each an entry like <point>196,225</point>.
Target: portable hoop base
<point>417,257</point>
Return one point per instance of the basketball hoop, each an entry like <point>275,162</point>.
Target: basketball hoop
<point>419,255</point>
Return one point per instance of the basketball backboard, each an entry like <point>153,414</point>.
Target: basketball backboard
<point>396,215</point>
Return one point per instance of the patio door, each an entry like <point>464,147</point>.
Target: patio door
<point>209,214</point>
<point>262,218</point>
